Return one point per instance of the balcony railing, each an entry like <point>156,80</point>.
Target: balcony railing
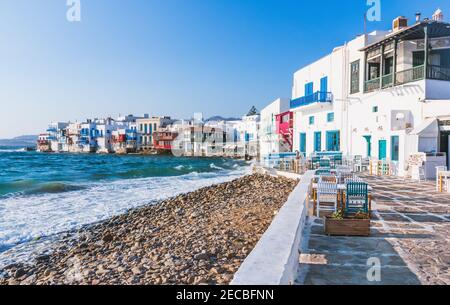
<point>438,72</point>
<point>407,76</point>
<point>387,80</point>
<point>410,75</point>
<point>372,85</point>
<point>318,97</point>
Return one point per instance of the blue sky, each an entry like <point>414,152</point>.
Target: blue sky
<point>166,57</point>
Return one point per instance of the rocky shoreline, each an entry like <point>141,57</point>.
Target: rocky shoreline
<point>197,238</point>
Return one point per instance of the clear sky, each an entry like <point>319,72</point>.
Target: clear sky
<point>166,57</point>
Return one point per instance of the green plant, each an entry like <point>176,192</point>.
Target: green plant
<point>339,215</point>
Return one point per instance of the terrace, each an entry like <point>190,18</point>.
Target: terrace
<point>409,235</point>
<point>382,59</point>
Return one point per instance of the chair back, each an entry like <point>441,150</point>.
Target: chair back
<point>357,197</point>
<point>343,176</point>
<point>353,179</point>
<point>440,169</point>
<point>324,162</point>
<point>328,178</point>
<point>323,171</point>
<point>326,188</point>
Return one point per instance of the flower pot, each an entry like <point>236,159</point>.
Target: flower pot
<point>347,227</point>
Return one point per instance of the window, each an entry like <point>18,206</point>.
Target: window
<point>395,148</point>
<point>330,117</point>
<point>324,84</point>
<point>375,109</point>
<point>285,118</point>
<point>354,81</point>
<point>303,142</point>
<point>318,141</point>
<point>309,89</point>
<point>333,141</point>
<point>311,120</point>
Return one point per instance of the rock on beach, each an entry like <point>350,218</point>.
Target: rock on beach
<point>200,237</point>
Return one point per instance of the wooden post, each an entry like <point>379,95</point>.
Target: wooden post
<point>381,66</point>
<point>394,70</point>
<point>426,53</point>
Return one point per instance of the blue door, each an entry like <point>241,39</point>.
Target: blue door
<point>323,88</point>
<point>303,143</point>
<point>369,145</point>
<point>318,141</point>
<point>382,144</point>
<point>333,140</point>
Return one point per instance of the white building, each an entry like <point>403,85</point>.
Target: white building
<point>377,96</point>
<point>269,140</point>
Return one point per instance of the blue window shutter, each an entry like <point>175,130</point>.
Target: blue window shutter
<point>324,84</point>
<point>309,89</point>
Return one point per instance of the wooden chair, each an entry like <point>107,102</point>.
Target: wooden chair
<point>440,169</point>
<point>343,176</point>
<point>357,198</point>
<point>328,178</point>
<point>325,162</point>
<point>326,193</point>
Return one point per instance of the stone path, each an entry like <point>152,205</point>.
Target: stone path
<point>410,237</point>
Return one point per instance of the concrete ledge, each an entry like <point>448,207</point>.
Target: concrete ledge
<point>274,172</point>
<point>275,259</point>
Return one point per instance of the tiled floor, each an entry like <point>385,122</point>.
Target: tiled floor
<point>410,237</point>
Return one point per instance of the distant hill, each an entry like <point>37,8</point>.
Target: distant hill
<point>218,118</point>
<point>27,140</point>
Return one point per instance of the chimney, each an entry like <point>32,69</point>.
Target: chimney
<point>399,23</point>
<point>418,17</point>
<point>438,15</point>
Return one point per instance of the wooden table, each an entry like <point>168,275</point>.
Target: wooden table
<point>443,175</point>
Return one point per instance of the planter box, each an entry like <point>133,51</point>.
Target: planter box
<point>347,227</point>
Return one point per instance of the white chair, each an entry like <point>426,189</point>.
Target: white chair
<point>326,193</point>
<point>439,169</point>
<point>353,179</point>
<point>343,176</point>
<point>421,175</point>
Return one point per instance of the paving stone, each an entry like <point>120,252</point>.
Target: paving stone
<point>409,253</point>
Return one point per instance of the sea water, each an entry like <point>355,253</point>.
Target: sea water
<point>42,194</point>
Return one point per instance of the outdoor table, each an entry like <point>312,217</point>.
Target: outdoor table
<point>443,175</point>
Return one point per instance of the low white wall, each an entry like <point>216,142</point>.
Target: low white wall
<point>275,259</point>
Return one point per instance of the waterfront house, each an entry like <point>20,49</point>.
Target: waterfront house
<point>146,127</point>
<point>383,95</point>
<point>87,141</point>
<point>103,131</point>
<point>57,136</point>
<point>270,142</point>
<point>163,140</point>
<point>285,128</point>
<point>43,143</point>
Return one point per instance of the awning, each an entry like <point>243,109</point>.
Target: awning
<point>428,129</point>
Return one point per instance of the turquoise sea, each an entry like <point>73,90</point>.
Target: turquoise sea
<point>44,194</point>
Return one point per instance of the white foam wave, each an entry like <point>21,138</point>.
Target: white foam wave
<point>13,150</point>
<point>213,166</point>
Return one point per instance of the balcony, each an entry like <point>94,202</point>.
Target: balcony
<point>408,76</point>
<point>318,97</point>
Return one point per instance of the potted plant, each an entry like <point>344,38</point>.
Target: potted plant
<point>357,224</point>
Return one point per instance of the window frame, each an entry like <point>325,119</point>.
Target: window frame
<point>355,75</point>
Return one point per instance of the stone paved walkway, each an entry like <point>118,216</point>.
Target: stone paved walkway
<point>410,236</point>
